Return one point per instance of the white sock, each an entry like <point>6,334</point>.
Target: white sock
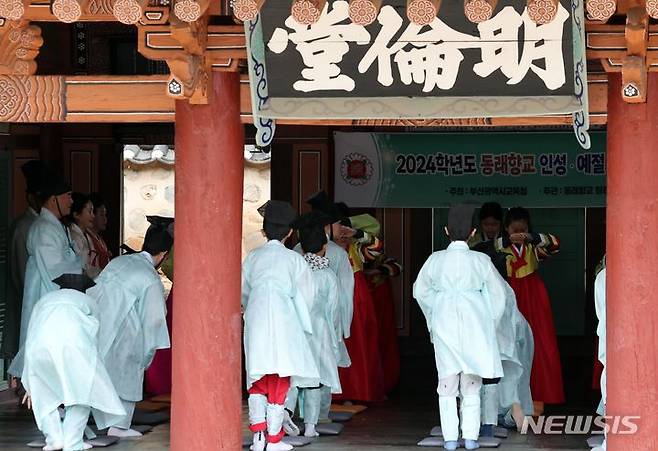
<point>258,442</point>
<point>116,432</point>
<point>310,431</point>
<point>280,446</point>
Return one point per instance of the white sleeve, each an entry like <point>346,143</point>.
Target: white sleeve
<point>345,278</point>
<point>304,295</point>
<point>424,292</point>
<point>153,315</point>
<point>496,292</point>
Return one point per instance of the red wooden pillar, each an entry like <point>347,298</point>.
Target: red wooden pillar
<point>632,256</point>
<point>206,398</point>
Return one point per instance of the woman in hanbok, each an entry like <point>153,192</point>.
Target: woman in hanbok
<point>379,269</point>
<point>364,379</point>
<point>62,366</point>
<point>463,298</point>
<point>277,294</point>
<point>101,254</point>
<point>524,250</point>
<point>81,221</point>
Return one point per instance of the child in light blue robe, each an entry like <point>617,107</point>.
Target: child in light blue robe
<point>62,365</point>
<point>131,308</point>
<point>600,304</point>
<point>277,296</point>
<point>325,318</point>
<point>462,296</point>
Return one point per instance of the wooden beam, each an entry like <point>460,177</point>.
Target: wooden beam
<point>225,44</point>
<point>478,11</point>
<point>422,12</point>
<point>129,12</point>
<point>634,69</point>
<point>542,11</point>
<point>19,46</point>
<point>607,43</point>
<point>307,12</point>
<point>137,99</point>
<point>364,12</point>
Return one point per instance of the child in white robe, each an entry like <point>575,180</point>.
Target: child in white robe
<point>462,296</point>
<point>132,312</point>
<point>324,341</point>
<point>277,294</point>
<point>600,304</point>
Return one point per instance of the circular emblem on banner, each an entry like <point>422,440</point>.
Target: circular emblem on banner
<point>356,169</point>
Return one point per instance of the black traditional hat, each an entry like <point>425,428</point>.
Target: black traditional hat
<point>52,184</point>
<point>79,282</point>
<point>460,219</point>
<point>32,171</point>
<point>160,235</point>
<point>278,212</point>
<point>320,201</point>
<point>311,231</point>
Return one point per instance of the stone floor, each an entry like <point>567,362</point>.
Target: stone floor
<point>396,425</point>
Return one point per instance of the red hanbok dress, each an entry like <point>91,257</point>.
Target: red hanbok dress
<point>382,295</point>
<point>534,303</point>
<point>157,378</point>
<point>363,380</point>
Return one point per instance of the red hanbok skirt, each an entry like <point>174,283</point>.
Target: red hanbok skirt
<point>364,380</point>
<point>157,378</point>
<point>382,296</point>
<point>535,305</point>
<point>598,370</point>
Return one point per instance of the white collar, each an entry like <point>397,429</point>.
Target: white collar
<point>458,245</point>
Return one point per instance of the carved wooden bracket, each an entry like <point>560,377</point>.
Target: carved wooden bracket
<point>189,67</point>
<point>225,44</point>
<point>19,46</point>
<point>192,51</point>
<point>634,69</point>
